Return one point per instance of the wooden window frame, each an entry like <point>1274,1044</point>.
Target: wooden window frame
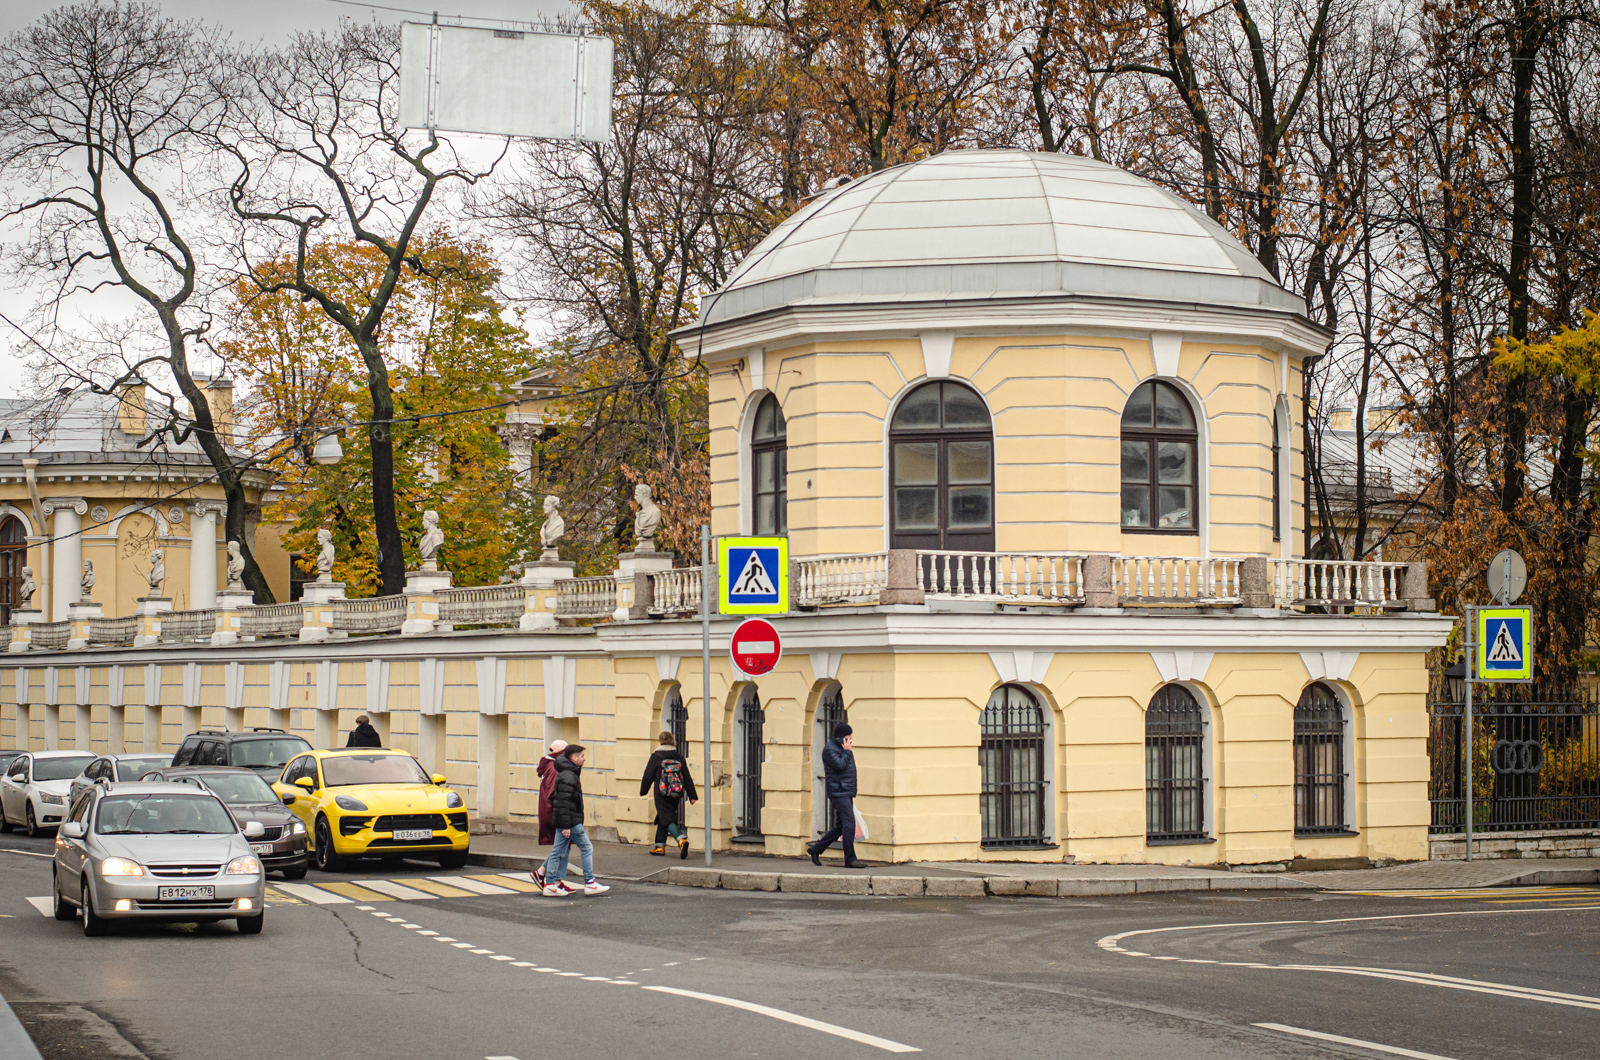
<point>778,446</point>
<point>942,436</point>
<point>1153,437</point>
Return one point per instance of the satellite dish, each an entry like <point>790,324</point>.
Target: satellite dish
<point>1508,576</point>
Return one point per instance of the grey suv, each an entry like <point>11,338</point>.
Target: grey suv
<point>264,750</point>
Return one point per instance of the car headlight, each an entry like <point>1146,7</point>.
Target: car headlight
<point>295,827</point>
<point>54,800</point>
<point>245,866</point>
<point>454,801</point>
<point>120,867</point>
<point>345,802</point>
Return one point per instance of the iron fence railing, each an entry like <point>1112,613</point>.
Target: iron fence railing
<point>49,635</point>
<point>271,620</point>
<point>186,627</point>
<point>374,614</point>
<point>484,605</point>
<point>113,632</point>
<point>1535,757</point>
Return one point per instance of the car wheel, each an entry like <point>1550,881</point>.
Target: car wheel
<point>455,859</point>
<point>252,925</point>
<point>5,822</point>
<point>34,831</point>
<point>295,874</point>
<point>63,910</point>
<point>327,859</point>
<point>94,925</point>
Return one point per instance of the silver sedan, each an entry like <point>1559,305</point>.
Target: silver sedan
<point>156,851</point>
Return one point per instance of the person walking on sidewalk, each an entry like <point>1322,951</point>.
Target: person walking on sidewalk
<point>546,771</point>
<point>566,805</point>
<point>668,773</point>
<point>839,767</point>
<point>364,735</point>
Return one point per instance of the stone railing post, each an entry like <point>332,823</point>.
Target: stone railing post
<point>320,599</point>
<point>1098,591</point>
<point>150,609</point>
<point>230,604</point>
<point>1414,588</point>
<point>21,635</point>
<point>901,585</point>
<point>540,578</point>
<point>1255,583</point>
<point>80,615</point>
<point>422,598</point>
<point>633,582</point>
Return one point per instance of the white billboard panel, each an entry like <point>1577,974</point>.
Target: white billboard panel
<point>505,82</point>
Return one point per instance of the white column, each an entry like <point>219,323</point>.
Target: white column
<point>81,728</point>
<point>491,765</point>
<point>431,737</point>
<point>150,729</point>
<point>114,730</point>
<point>67,570</point>
<point>202,556</point>
<point>52,727</point>
<point>326,732</point>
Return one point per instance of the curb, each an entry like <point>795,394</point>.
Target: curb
<point>969,886</point>
<point>15,1044</point>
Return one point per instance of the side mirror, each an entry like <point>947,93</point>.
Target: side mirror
<point>73,830</point>
<point>288,799</point>
<point>254,830</point>
<point>440,779</point>
<point>305,782</point>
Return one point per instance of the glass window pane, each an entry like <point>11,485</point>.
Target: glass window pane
<point>969,461</point>
<point>916,463</point>
<point>920,408</point>
<point>916,509</point>
<point>765,465</point>
<point>1135,505</point>
<point>1176,460</point>
<point>780,424</point>
<point>765,429</point>
<point>1171,408</point>
<point>969,507</point>
<point>764,514</point>
<point>1176,506</point>
<point>1137,413</point>
<point>963,408</point>
<point>1135,461</point>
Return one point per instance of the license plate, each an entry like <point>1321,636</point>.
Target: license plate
<point>261,848</point>
<point>187,894</point>
<point>413,833</point>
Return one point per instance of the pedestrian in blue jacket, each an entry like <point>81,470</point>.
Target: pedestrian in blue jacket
<point>839,768</point>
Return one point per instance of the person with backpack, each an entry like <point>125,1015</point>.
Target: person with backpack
<point>566,804</point>
<point>546,771</point>
<point>839,768</point>
<point>668,773</point>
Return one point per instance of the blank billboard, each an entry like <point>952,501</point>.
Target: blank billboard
<point>505,82</point>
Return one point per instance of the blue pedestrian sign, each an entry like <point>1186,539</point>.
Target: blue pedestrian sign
<point>1505,644</point>
<point>753,575</point>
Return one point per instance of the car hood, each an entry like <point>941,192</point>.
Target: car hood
<point>397,798</point>
<point>147,849</point>
<point>270,814</point>
<point>54,787</point>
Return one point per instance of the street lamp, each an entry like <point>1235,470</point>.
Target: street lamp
<point>328,450</point>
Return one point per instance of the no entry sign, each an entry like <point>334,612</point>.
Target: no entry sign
<point>756,647</point>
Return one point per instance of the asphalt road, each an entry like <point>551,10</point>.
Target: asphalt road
<point>650,970</point>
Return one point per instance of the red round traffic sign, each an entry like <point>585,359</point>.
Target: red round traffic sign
<point>755,647</point>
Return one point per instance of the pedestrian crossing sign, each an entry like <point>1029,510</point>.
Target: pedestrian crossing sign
<point>753,575</point>
<point>1505,644</point>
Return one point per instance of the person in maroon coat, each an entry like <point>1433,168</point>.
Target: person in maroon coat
<point>547,788</point>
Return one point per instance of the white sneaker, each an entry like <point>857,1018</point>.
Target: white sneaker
<point>557,890</point>
<point>595,887</point>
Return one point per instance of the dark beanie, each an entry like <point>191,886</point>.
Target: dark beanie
<point>841,730</point>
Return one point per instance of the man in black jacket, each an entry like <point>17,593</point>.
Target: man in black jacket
<point>668,773</point>
<point>364,735</point>
<point>566,806</point>
<point>839,768</point>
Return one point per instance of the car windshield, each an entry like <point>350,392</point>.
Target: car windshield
<point>372,769</point>
<point>239,787</point>
<point>260,754</point>
<point>59,768</point>
<point>163,814</point>
<point>134,768</point>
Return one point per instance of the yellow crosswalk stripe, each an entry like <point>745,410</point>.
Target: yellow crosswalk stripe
<point>360,894</point>
<point>277,897</point>
<point>525,886</point>
<point>443,890</point>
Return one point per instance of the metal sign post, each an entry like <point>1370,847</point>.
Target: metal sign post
<point>705,675</point>
<point>1505,634</point>
<point>1466,669</point>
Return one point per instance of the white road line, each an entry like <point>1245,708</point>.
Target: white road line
<point>476,886</point>
<point>1376,1047</point>
<point>29,853</point>
<point>46,905</point>
<point>499,1058</point>
<point>790,1017</point>
<point>522,964</point>
<point>397,890</point>
<point>365,908</point>
<point>314,895</point>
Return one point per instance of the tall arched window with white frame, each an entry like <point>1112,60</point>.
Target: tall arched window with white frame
<point>1160,474</point>
<point>769,469</point>
<point>941,465</point>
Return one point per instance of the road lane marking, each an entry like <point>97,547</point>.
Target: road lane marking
<point>399,890</point>
<point>365,908</point>
<point>480,951</point>
<point>46,905</point>
<point>313,894</point>
<point>500,957</point>
<point>433,888</point>
<point>1376,1047</point>
<point>789,1017</point>
<point>476,886</point>
<point>505,879</point>
<point>355,891</point>
<point>445,938</point>
<point>29,853</point>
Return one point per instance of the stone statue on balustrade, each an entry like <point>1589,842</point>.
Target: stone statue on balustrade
<point>29,587</point>
<point>324,555</point>
<point>553,530</point>
<point>235,568</point>
<point>158,572</point>
<point>86,583</point>
<point>431,541</point>
<point>647,521</point>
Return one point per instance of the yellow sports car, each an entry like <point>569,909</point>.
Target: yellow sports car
<point>373,803</point>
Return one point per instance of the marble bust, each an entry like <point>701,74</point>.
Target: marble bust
<point>29,587</point>
<point>431,541</point>
<point>324,555</point>
<point>86,583</point>
<point>553,528</point>
<point>235,568</point>
<point>647,521</point>
<point>158,572</point>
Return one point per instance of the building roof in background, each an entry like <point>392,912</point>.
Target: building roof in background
<point>84,427</point>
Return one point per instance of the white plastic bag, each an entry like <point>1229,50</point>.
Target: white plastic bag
<point>861,823</point>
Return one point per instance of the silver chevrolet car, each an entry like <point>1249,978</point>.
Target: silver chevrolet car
<point>156,851</point>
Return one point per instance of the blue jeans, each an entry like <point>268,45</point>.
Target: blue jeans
<point>555,866</point>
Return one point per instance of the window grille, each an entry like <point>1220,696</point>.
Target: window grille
<point>1158,460</point>
<point>1174,767</point>
<point>752,719</point>
<point>830,712</point>
<point>1319,766</point>
<point>1012,759</point>
<point>675,718</point>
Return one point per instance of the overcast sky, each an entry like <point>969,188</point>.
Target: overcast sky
<point>259,20</point>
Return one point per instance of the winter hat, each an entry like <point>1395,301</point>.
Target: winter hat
<point>841,730</point>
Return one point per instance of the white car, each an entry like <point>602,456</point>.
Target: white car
<point>34,791</point>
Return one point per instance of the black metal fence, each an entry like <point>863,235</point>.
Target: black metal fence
<point>1174,771</point>
<point>1320,770</point>
<point>1012,761</point>
<point>1535,757</point>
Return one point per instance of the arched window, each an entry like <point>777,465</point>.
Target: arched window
<point>1012,761</point>
<point>13,556</point>
<point>941,462</point>
<point>749,798</point>
<point>1159,475</point>
<point>1319,765</point>
<point>675,719</point>
<point>830,712</point>
<point>1277,479</point>
<point>769,469</point>
<point>1174,767</point>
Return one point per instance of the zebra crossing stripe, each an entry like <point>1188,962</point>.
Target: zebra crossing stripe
<point>313,894</point>
<point>474,885</point>
<point>356,891</point>
<point>395,889</point>
<point>440,890</point>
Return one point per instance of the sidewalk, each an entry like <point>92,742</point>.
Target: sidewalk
<point>965,879</point>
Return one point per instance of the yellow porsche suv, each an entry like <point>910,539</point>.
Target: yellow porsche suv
<point>373,803</point>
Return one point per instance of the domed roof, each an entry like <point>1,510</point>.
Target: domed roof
<point>1002,224</point>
